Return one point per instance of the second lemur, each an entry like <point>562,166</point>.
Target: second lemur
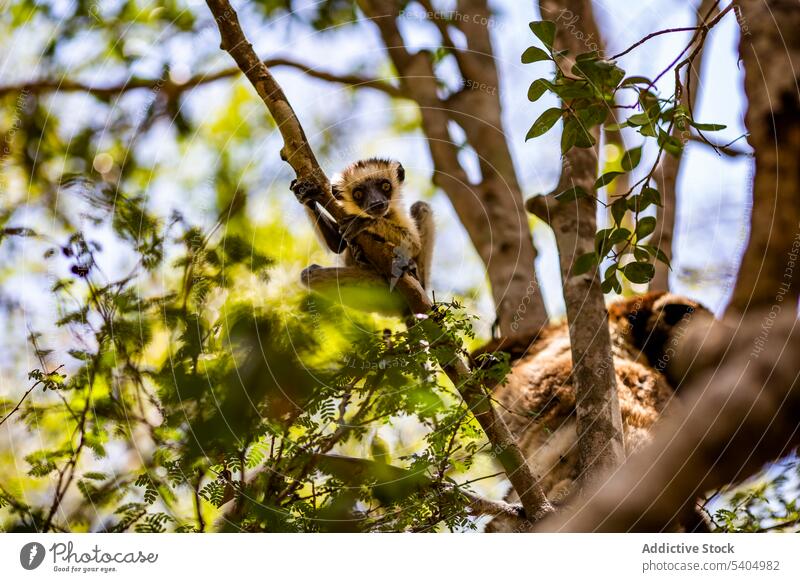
<point>370,192</point>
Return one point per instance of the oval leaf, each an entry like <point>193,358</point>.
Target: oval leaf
<point>707,126</point>
<point>631,158</point>
<point>584,263</point>
<point>618,210</point>
<point>605,179</point>
<point>545,121</point>
<point>545,31</point>
<point>638,272</point>
<point>645,226</point>
<point>537,89</point>
<point>533,55</point>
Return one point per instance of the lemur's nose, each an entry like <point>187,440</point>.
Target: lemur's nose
<point>378,205</point>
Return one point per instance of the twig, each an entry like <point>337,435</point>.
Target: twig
<point>24,396</point>
<point>653,35</point>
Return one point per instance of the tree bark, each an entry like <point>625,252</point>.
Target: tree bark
<point>769,47</point>
<point>574,224</point>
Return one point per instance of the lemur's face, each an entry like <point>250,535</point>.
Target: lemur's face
<point>370,187</point>
<point>373,195</point>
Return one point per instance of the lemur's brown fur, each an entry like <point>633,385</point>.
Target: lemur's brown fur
<point>538,400</point>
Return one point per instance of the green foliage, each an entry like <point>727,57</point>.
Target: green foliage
<point>249,412</point>
<point>589,91</point>
<point>768,502</point>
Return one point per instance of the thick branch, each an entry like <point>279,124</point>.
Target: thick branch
<point>297,152</point>
<point>769,48</point>
<point>740,410</point>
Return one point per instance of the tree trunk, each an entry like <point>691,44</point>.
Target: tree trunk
<point>770,50</point>
<point>574,224</point>
<point>492,211</point>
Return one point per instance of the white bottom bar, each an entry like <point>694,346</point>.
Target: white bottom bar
<point>400,557</point>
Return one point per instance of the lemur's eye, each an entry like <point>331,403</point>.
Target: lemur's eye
<point>358,194</point>
<point>386,186</point>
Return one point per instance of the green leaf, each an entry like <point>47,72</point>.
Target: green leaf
<point>571,194</point>
<point>707,126</point>
<point>619,235</point>
<point>631,158</point>
<point>640,254</point>
<point>606,178</point>
<point>537,89</point>
<point>616,126</point>
<point>569,89</point>
<point>650,196</point>
<point>602,242</point>
<point>658,254</point>
<point>593,115</point>
<point>611,283</point>
<point>533,55</point>
<point>645,226</point>
<point>647,197</point>
<point>638,272</point>
<point>584,263</point>
<point>618,210</point>
<point>543,124</point>
<point>639,119</point>
<point>569,136</point>
<point>635,81</point>
<point>670,143</point>
<point>545,31</point>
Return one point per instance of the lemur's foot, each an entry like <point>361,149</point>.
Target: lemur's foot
<point>307,272</point>
<point>306,191</point>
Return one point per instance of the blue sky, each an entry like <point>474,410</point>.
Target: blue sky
<point>713,190</point>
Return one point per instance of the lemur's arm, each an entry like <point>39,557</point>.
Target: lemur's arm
<point>325,226</point>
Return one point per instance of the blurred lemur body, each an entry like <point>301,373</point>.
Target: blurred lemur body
<point>370,192</point>
<point>537,401</point>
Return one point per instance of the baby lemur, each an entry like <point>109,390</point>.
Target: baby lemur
<point>370,193</point>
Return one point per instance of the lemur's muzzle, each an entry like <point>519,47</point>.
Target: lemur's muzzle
<point>376,202</point>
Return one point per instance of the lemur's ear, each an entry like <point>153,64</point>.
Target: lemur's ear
<point>401,172</point>
<point>673,313</point>
<point>336,191</point>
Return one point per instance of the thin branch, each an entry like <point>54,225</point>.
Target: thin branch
<point>169,87</point>
<point>724,149</point>
<point>24,396</point>
<point>699,37</point>
<point>667,31</point>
